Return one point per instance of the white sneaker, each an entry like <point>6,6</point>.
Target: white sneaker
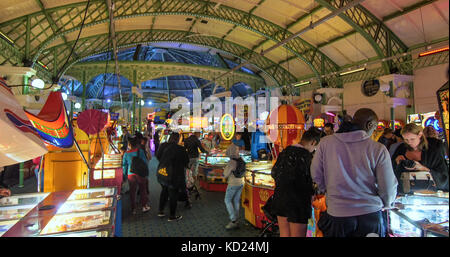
<point>145,208</point>
<point>231,225</point>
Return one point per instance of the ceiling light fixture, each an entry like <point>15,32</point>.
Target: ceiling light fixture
<point>302,83</point>
<point>352,71</point>
<point>43,65</point>
<point>434,51</point>
<point>6,37</point>
<point>38,83</point>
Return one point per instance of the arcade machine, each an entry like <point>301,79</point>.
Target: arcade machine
<point>285,126</point>
<point>210,170</point>
<point>432,119</point>
<point>259,144</point>
<point>73,213</point>
<point>62,210</point>
<point>398,124</point>
<point>319,123</point>
<point>443,94</point>
<point>419,216</point>
<point>382,124</point>
<point>415,118</point>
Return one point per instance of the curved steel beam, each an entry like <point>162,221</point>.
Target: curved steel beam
<point>314,58</point>
<point>141,71</point>
<point>135,37</point>
<point>380,37</point>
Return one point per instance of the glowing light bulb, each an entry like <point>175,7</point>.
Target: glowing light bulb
<point>77,105</point>
<point>38,83</point>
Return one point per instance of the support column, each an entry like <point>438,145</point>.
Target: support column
<point>140,114</point>
<point>25,90</point>
<point>391,94</point>
<point>133,118</point>
<point>83,97</point>
<point>71,104</point>
<point>133,112</point>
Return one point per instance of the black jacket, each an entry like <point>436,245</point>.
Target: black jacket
<point>176,155</point>
<point>386,141</point>
<point>433,158</point>
<point>192,145</point>
<point>293,183</point>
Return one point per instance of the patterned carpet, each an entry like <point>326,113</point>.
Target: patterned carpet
<point>206,218</point>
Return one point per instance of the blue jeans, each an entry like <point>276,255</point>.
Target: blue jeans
<point>233,201</point>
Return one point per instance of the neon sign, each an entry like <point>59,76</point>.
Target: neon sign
<point>319,122</point>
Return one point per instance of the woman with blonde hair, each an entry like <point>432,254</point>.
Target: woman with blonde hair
<point>427,154</point>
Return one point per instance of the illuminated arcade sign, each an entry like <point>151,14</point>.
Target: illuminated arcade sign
<point>114,116</point>
<point>319,123</point>
<point>381,125</point>
<point>286,126</point>
<point>434,123</point>
<point>227,128</point>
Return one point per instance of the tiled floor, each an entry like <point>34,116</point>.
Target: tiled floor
<point>207,218</point>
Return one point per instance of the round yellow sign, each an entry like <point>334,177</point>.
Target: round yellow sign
<point>227,128</point>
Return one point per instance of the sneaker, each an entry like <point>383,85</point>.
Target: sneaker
<point>161,214</point>
<point>145,208</point>
<point>231,225</point>
<point>175,218</point>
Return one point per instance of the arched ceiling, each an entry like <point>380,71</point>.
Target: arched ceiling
<point>45,31</point>
<point>105,85</point>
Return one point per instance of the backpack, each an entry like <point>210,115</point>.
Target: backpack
<point>138,166</point>
<point>240,168</point>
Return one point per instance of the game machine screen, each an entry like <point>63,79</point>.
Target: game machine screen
<point>415,118</point>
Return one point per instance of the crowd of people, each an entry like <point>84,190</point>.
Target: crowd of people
<point>359,177</point>
<point>176,167</point>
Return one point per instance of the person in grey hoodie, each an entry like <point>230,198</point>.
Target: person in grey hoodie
<point>234,188</point>
<point>356,175</point>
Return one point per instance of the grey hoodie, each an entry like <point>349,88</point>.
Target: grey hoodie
<point>355,172</point>
<point>232,152</point>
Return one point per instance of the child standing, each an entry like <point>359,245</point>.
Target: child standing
<point>234,188</point>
